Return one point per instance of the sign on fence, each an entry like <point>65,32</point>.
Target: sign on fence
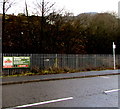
<point>7,62</point>
<point>16,62</point>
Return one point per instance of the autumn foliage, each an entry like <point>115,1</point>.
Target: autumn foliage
<point>83,34</point>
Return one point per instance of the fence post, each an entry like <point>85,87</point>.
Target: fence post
<point>114,55</point>
<point>56,61</point>
<point>76,61</point>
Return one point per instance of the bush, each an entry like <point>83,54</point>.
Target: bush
<point>35,70</point>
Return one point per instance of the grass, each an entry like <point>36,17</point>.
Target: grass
<point>51,70</point>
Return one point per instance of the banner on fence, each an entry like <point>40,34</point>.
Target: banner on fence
<point>7,62</point>
<point>16,62</point>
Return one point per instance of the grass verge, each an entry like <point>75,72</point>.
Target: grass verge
<point>51,70</point>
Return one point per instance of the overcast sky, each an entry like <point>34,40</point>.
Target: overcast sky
<point>74,6</point>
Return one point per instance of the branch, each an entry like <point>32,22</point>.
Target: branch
<point>48,9</point>
<point>43,8</point>
<point>9,6</point>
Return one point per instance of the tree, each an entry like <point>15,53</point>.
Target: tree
<point>101,33</point>
<point>7,4</point>
<point>86,33</point>
<point>43,8</point>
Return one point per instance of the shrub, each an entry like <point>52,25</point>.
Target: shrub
<point>35,70</point>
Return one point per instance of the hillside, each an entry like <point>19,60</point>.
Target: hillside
<point>84,34</point>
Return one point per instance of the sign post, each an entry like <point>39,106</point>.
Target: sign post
<point>114,46</point>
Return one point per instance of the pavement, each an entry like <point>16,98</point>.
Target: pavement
<point>51,77</point>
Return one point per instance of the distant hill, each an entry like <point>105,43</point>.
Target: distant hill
<point>90,13</point>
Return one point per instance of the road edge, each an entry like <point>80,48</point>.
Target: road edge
<point>53,79</point>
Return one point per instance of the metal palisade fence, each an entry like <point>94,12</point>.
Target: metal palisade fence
<point>72,61</point>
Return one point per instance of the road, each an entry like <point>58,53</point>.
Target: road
<point>83,92</point>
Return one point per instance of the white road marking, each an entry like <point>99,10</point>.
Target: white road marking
<point>40,103</point>
<point>114,90</point>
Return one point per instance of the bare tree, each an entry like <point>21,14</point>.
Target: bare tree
<point>43,8</point>
<point>26,9</point>
<point>7,4</point>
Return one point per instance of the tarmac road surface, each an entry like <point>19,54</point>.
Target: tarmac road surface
<point>82,92</point>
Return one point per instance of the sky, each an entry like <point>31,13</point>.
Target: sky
<point>73,6</point>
